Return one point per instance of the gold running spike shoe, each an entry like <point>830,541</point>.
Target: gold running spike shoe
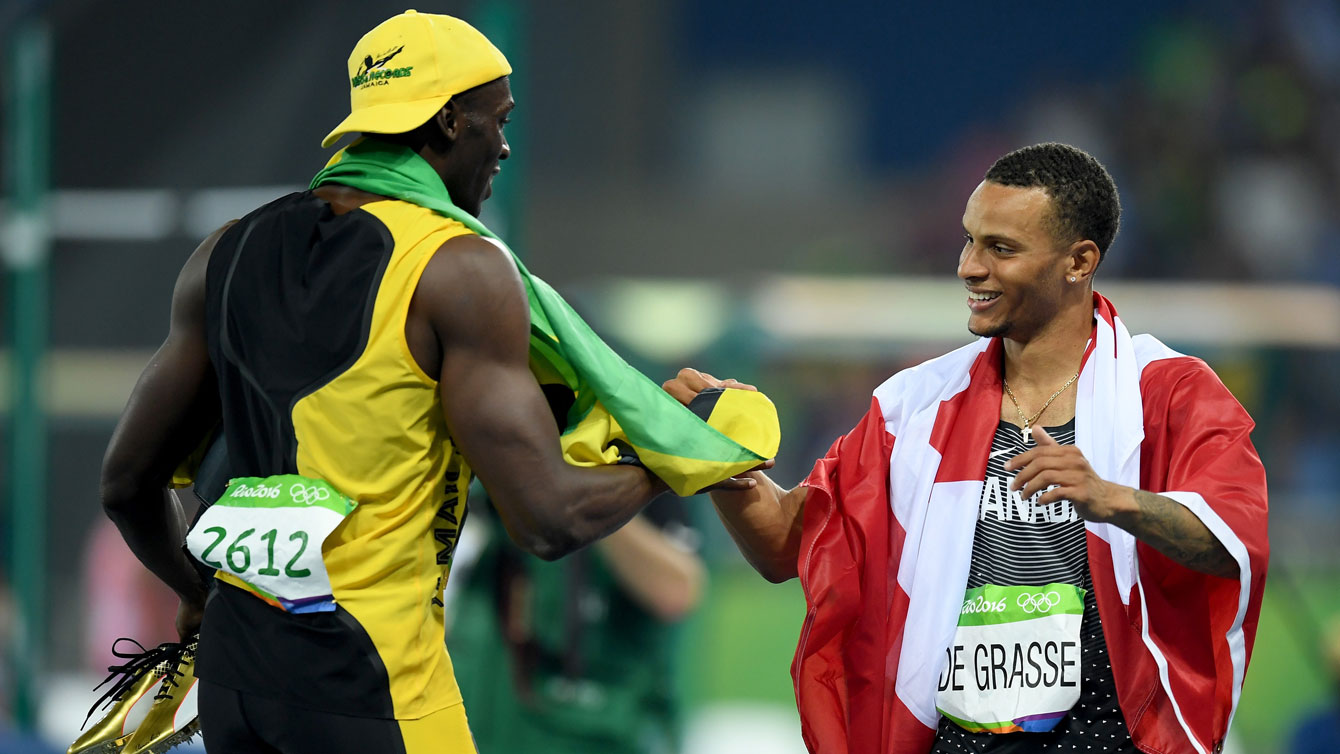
<point>129,697</point>
<point>173,718</point>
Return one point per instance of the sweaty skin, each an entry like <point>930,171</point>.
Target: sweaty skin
<point>468,323</point>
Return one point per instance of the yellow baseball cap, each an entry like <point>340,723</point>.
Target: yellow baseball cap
<point>406,69</point>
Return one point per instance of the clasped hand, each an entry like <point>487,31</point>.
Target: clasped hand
<point>685,387</point>
<point>689,382</point>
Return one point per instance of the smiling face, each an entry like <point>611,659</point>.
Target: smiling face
<point>474,125</point>
<point>1014,267</point>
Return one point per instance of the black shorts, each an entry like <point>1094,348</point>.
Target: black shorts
<point>232,722</point>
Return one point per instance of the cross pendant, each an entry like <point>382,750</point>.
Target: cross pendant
<point>1027,436</point>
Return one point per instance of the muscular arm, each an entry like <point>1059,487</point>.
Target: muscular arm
<point>172,407</point>
<point>661,576</point>
<point>1170,528</point>
<point>474,299</point>
<point>765,523</point>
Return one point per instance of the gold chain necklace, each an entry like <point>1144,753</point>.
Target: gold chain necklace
<point>1027,421</point>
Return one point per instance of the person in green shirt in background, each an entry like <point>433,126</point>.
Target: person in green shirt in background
<point>579,655</point>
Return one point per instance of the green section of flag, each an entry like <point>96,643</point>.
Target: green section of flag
<point>992,605</point>
<point>652,420</point>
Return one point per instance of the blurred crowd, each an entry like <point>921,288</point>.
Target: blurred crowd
<point>1221,137</point>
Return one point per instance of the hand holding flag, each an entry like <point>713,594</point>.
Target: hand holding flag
<point>685,387</point>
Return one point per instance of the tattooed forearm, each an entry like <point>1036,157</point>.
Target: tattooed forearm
<point>1174,531</point>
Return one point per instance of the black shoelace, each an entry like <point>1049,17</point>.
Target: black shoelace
<point>185,653</point>
<point>123,677</point>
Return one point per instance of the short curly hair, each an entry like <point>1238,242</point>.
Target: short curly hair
<point>1084,198</point>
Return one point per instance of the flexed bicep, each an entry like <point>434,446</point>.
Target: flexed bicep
<point>498,415</point>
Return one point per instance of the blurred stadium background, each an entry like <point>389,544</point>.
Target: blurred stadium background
<point>766,189</point>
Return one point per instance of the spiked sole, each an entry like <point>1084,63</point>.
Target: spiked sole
<point>176,739</point>
<point>106,747</point>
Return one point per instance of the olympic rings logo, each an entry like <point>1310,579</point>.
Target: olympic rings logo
<point>301,493</point>
<point>1038,603</point>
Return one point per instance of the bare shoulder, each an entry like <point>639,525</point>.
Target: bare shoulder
<point>472,283</point>
<point>474,259</point>
<point>188,295</point>
<point>206,246</point>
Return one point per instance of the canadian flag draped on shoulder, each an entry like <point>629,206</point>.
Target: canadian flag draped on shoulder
<point>888,532</point>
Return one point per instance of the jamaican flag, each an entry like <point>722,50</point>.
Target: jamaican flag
<point>614,413</point>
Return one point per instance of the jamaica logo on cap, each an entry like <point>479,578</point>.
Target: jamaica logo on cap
<point>373,72</point>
